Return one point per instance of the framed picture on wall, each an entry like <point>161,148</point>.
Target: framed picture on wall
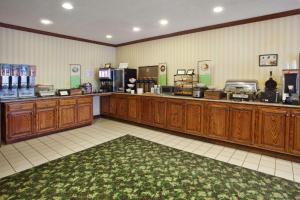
<point>268,60</point>
<point>163,79</point>
<point>75,75</point>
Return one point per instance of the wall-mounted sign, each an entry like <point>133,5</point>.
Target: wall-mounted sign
<point>204,71</point>
<point>163,79</point>
<point>75,75</point>
<point>268,60</point>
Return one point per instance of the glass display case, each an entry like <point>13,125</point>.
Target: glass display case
<point>184,84</point>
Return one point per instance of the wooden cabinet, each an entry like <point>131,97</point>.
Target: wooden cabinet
<point>242,124</point>
<point>134,108</point>
<point>104,105</point>
<point>176,115</point>
<point>84,110</point>
<point>113,105</point>
<point>67,116</point>
<point>146,111</point>
<point>159,112</point>
<point>19,121</point>
<point>295,132</point>
<point>273,128</point>
<point>46,116</point>
<point>193,117</point>
<point>122,108</point>
<point>216,120</point>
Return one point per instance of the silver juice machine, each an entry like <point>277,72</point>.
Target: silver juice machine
<point>8,83</point>
<point>27,81</point>
<point>291,86</point>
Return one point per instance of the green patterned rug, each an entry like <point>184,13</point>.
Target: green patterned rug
<point>133,168</point>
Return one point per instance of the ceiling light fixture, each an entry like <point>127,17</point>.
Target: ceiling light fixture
<point>67,6</point>
<point>46,21</point>
<point>218,9</point>
<point>108,36</point>
<point>163,22</point>
<point>136,29</point>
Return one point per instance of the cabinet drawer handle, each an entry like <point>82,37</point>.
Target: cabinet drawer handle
<point>287,115</point>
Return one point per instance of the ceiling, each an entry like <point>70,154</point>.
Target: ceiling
<point>94,19</point>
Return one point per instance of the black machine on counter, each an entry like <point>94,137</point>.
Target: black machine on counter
<point>271,94</point>
<point>291,86</point>
<point>241,90</point>
<point>121,80</point>
<point>106,79</point>
<point>17,81</point>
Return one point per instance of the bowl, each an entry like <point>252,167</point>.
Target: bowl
<point>130,85</point>
<point>128,90</point>
<point>132,80</point>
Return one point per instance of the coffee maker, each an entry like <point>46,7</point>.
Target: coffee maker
<point>27,81</point>
<point>106,80</point>
<point>291,86</point>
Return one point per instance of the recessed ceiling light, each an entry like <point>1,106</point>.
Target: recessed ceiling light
<point>218,9</point>
<point>67,6</point>
<point>46,21</point>
<point>108,36</point>
<point>136,29</point>
<point>163,22</point>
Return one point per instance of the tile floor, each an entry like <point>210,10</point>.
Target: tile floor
<point>24,155</point>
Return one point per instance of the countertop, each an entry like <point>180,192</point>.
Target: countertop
<point>51,97</point>
<point>220,100</point>
<point>153,95</point>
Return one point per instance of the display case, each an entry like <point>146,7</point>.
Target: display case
<point>183,84</point>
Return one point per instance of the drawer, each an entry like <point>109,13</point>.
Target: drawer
<point>46,104</point>
<point>65,102</point>
<point>20,106</point>
<point>85,100</point>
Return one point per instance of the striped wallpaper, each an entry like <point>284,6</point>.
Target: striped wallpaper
<point>234,50</point>
<point>53,55</point>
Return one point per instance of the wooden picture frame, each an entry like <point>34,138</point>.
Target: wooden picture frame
<point>268,60</point>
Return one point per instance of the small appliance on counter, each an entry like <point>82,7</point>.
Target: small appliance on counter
<point>198,90</point>
<point>8,85</point>
<point>271,94</point>
<point>121,79</point>
<point>106,80</point>
<point>167,90</point>
<point>241,90</point>
<point>87,88</point>
<point>214,94</point>
<point>45,90</point>
<point>291,86</point>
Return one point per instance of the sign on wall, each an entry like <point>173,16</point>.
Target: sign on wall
<point>163,80</point>
<point>204,71</point>
<point>75,75</point>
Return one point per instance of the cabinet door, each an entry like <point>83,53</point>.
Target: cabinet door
<point>20,125</point>
<point>159,112</point>
<point>294,142</point>
<point>67,116</point>
<point>113,106</point>
<point>133,108</point>
<point>146,111</point>
<point>242,119</point>
<point>84,113</point>
<point>104,105</point>
<point>122,108</point>
<point>46,120</point>
<point>217,116</point>
<point>193,118</point>
<point>176,115</point>
<point>273,126</point>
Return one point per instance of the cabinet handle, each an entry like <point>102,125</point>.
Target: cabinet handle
<point>293,115</point>
<point>287,115</point>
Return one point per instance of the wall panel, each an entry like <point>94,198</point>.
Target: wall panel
<point>52,56</point>
<point>234,50</point>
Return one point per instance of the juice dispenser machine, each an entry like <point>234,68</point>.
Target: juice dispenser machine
<point>27,81</point>
<point>291,86</point>
<point>7,87</point>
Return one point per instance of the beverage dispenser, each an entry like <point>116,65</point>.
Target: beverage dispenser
<point>4,80</point>
<point>26,81</point>
<point>291,86</point>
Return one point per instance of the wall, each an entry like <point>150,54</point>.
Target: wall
<point>234,50</point>
<point>52,56</point>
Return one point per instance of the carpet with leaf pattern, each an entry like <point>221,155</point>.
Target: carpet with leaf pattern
<point>133,168</point>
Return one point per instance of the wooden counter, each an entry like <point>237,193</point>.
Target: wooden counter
<point>273,127</point>
<point>28,118</point>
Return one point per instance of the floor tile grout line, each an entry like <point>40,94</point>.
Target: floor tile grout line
<point>8,162</point>
<point>23,155</point>
<point>50,147</point>
<point>64,144</point>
